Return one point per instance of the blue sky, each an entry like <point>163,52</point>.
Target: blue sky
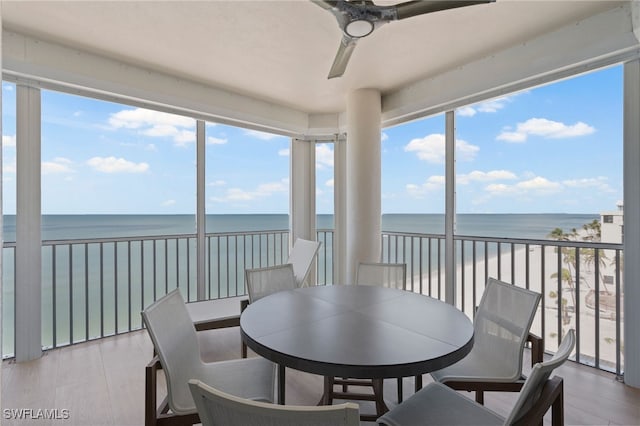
<point>552,149</point>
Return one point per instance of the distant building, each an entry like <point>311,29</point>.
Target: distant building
<point>612,226</point>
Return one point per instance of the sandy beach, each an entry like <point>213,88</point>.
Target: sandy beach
<point>511,268</point>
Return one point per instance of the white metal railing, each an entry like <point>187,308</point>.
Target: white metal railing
<point>94,288</point>
<point>581,284</point>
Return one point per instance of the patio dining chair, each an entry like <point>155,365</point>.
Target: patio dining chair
<point>501,328</point>
<point>301,258</point>
<point>176,344</point>
<point>437,404</point>
<point>391,275</point>
<point>262,282</point>
<point>217,408</point>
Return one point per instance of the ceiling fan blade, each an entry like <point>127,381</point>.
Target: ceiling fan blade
<point>325,4</point>
<point>419,7</point>
<point>342,57</point>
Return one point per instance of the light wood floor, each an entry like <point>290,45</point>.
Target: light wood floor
<point>102,383</point>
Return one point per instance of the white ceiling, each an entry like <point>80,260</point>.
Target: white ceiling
<point>281,51</point>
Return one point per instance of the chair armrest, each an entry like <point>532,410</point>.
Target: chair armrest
<point>537,348</point>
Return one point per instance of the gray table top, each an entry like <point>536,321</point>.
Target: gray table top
<point>357,331</point>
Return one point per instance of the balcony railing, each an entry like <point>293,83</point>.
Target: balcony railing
<point>580,282</point>
<point>97,287</point>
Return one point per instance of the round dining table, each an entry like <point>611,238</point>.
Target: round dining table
<point>356,331</point>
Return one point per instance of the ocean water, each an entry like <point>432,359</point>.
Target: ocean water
<point>57,227</point>
<point>93,298</point>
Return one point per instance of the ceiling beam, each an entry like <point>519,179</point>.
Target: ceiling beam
<point>600,40</point>
<point>49,65</point>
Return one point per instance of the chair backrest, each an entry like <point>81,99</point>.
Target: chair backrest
<point>262,282</point>
<point>174,338</point>
<point>301,257</point>
<point>217,408</point>
<point>391,275</point>
<point>502,324</point>
<point>540,373</point>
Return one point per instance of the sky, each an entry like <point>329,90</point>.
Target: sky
<point>551,149</point>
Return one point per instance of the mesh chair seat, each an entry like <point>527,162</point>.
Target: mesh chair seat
<point>218,408</point>
<point>501,326</point>
<point>437,404</point>
<point>262,282</point>
<point>301,258</point>
<point>176,343</point>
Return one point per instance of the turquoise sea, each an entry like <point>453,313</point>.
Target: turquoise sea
<point>56,227</point>
<point>92,290</point>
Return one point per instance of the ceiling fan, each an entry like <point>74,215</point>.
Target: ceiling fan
<point>358,19</point>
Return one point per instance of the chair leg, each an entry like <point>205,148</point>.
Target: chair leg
<point>557,408</point>
<point>480,397</point>
<point>378,391</point>
<point>244,350</point>
<point>327,395</point>
<point>400,390</point>
<point>150,396</point>
<point>418,383</point>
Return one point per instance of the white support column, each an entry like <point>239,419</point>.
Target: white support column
<point>302,205</point>
<point>1,212</point>
<point>28,302</point>
<point>340,210</point>
<point>201,213</point>
<point>450,208</point>
<point>364,222</point>
<point>302,201</point>
<point>631,223</point>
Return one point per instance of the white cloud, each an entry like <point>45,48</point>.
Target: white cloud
<point>329,183</point>
<point>58,165</point>
<point>261,135</point>
<point>431,148</point>
<point>142,118</point>
<point>466,111</point>
<point>283,152</point>
<point>150,147</point>
<point>479,176</point>
<point>539,184</point>
<point>218,182</point>
<point>8,140</point>
<point>169,203</point>
<point>599,183</point>
<point>262,191</point>
<point>490,106</point>
<point>271,187</point>
<point>383,137</point>
<point>116,165</point>
<point>8,166</point>
<point>500,189</point>
<point>545,128</point>
<point>211,140</point>
<point>494,105</point>
<point>8,87</point>
<point>433,183</point>
<point>155,124</point>
<point>324,156</point>
<point>78,113</point>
